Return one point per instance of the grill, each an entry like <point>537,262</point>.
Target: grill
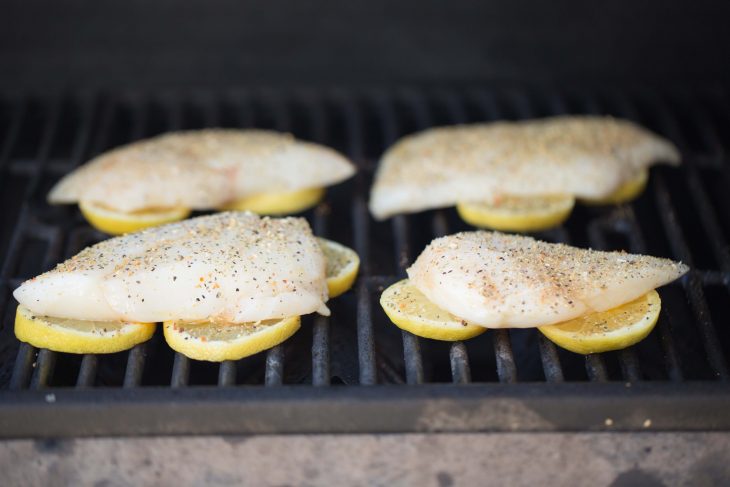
<point>354,371</point>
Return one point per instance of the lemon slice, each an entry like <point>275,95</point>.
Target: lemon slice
<point>117,222</point>
<point>625,193</point>
<point>216,342</point>
<point>517,213</point>
<point>410,310</point>
<point>278,203</point>
<point>613,329</point>
<point>342,266</point>
<point>79,336</point>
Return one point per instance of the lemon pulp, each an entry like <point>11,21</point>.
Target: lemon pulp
<point>613,329</point>
<point>342,266</point>
<point>79,336</point>
<point>518,213</point>
<point>216,342</point>
<point>116,222</point>
<point>626,192</point>
<point>409,309</point>
<point>278,203</point>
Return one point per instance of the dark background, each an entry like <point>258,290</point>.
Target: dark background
<point>163,43</point>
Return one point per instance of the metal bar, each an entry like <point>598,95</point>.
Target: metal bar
<point>45,363</point>
<point>411,346</point>
<point>180,371</point>
<point>708,219</point>
<point>105,122</point>
<point>692,285</point>
<point>705,211</point>
<point>365,339</point>
<point>211,111</point>
<point>627,358</point>
<point>22,366</point>
<point>245,111</point>
<point>506,368</point>
<point>320,352</point>
<point>550,359</point>
<point>632,231</point>
<point>360,219</point>
<point>631,228</point>
<point>595,368</point>
<point>487,104</point>
<point>280,111</point>
<point>401,244</point>
<point>135,366</point>
<point>87,371</point>
<point>139,119</point>
<point>460,371</point>
<point>412,357</point>
<point>274,366</point>
<point>227,373</point>
<point>629,364</point>
<point>385,409</point>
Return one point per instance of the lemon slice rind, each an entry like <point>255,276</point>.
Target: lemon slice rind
<point>278,203</point>
<point>79,336</point>
<point>518,214</point>
<point>218,342</point>
<point>614,329</point>
<point>410,310</point>
<point>628,191</point>
<point>117,223</point>
<point>343,264</point>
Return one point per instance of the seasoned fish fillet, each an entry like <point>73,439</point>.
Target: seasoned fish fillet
<point>200,170</point>
<point>587,157</point>
<point>228,267</point>
<point>505,281</point>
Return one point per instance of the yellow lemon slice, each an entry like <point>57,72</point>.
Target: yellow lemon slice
<point>216,342</point>
<point>278,203</point>
<point>625,193</point>
<point>517,213</point>
<point>410,310</point>
<point>79,336</point>
<point>342,266</point>
<point>614,329</point>
<point>116,222</point>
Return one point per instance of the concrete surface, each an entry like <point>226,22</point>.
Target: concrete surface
<point>604,459</point>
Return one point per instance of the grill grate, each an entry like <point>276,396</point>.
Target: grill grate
<point>684,214</point>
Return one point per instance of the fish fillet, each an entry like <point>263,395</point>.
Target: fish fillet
<point>583,156</point>
<point>507,281</point>
<point>201,170</point>
<point>229,267</point>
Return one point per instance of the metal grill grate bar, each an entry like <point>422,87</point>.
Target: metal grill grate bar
<point>43,373</point>
<point>630,228</point>
<point>274,366</point>
<point>691,283</point>
<point>22,366</point>
<point>135,366</point>
<point>506,368</point>
<point>596,368</point>
<point>411,345</point>
<point>49,131</point>
<point>227,373</point>
<point>550,359</point>
<point>180,371</point>
<point>627,357</point>
<point>87,371</point>
<point>680,248</point>
<point>460,371</point>
<point>321,325</point>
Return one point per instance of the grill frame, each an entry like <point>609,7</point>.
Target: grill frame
<point>505,404</point>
